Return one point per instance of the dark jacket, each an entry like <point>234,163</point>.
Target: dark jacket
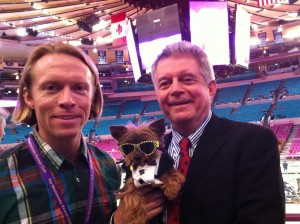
<point>234,176</point>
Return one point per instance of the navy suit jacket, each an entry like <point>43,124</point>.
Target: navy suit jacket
<point>234,176</point>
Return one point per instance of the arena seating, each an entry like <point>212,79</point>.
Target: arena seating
<point>87,127</point>
<point>294,152</point>
<point>153,106</point>
<point>264,90</point>
<point>110,110</point>
<point>133,87</point>
<point>251,111</point>
<point>133,107</point>
<point>282,131</point>
<point>292,86</point>
<point>16,135</point>
<point>110,146</point>
<point>224,112</point>
<point>297,134</point>
<point>102,128</point>
<point>245,113</point>
<point>247,75</point>
<point>149,118</point>
<point>287,109</point>
<point>231,94</point>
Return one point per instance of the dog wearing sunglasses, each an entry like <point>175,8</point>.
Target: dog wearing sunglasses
<point>145,165</point>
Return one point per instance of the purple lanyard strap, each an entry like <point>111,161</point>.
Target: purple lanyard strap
<point>50,181</point>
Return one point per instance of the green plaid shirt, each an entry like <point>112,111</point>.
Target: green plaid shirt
<point>25,198</point>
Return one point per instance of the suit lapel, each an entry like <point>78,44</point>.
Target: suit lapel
<point>208,146</point>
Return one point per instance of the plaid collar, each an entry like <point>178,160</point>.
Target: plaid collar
<point>50,156</point>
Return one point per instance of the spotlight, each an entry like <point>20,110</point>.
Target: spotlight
<point>92,20</point>
<point>84,26</point>
<point>87,41</point>
<point>87,23</point>
<point>32,32</point>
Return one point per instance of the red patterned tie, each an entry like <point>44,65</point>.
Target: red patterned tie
<point>184,162</point>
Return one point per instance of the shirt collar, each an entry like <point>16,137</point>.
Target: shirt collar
<point>194,137</point>
<point>51,157</point>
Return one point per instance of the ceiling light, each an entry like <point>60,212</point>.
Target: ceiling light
<point>21,32</point>
<point>293,14</point>
<point>74,42</point>
<point>254,26</point>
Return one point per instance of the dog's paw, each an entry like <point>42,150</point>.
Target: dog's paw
<point>172,184</point>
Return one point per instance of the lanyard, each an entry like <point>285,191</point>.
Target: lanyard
<point>50,181</point>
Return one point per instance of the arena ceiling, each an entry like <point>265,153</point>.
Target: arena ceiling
<point>57,20</point>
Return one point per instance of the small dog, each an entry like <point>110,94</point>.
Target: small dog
<point>144,165</point>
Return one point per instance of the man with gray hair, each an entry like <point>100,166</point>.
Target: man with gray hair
<point>232,168</point>
<point>3,116</point>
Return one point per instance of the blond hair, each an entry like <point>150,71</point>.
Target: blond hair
<point>22,112</point>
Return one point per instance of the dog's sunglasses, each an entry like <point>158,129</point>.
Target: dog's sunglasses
<point>147,147</point>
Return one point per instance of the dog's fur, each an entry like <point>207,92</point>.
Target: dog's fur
<point>172,180</point>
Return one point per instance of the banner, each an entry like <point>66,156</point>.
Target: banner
<point>118,29</point>
<point>102,57</point>
<point>119,57</point>
<point>262,38</point>
<point>277,35</point>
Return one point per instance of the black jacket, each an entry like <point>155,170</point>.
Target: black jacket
<point>234,176</point>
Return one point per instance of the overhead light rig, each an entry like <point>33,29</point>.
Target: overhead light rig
<point>87,41</point>
<point>32,32</point>
<point>88,22</point>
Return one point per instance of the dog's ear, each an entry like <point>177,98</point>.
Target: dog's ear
<point>117,131</point>
<point>158,126</point>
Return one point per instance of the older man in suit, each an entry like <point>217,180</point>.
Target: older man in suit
<point>234,172</point>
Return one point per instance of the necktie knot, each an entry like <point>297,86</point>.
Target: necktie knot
<point>184,143</point>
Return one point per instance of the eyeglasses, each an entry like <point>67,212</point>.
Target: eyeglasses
<point>147,147</point>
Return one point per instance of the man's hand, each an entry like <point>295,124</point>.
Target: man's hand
<point>153,204</point>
